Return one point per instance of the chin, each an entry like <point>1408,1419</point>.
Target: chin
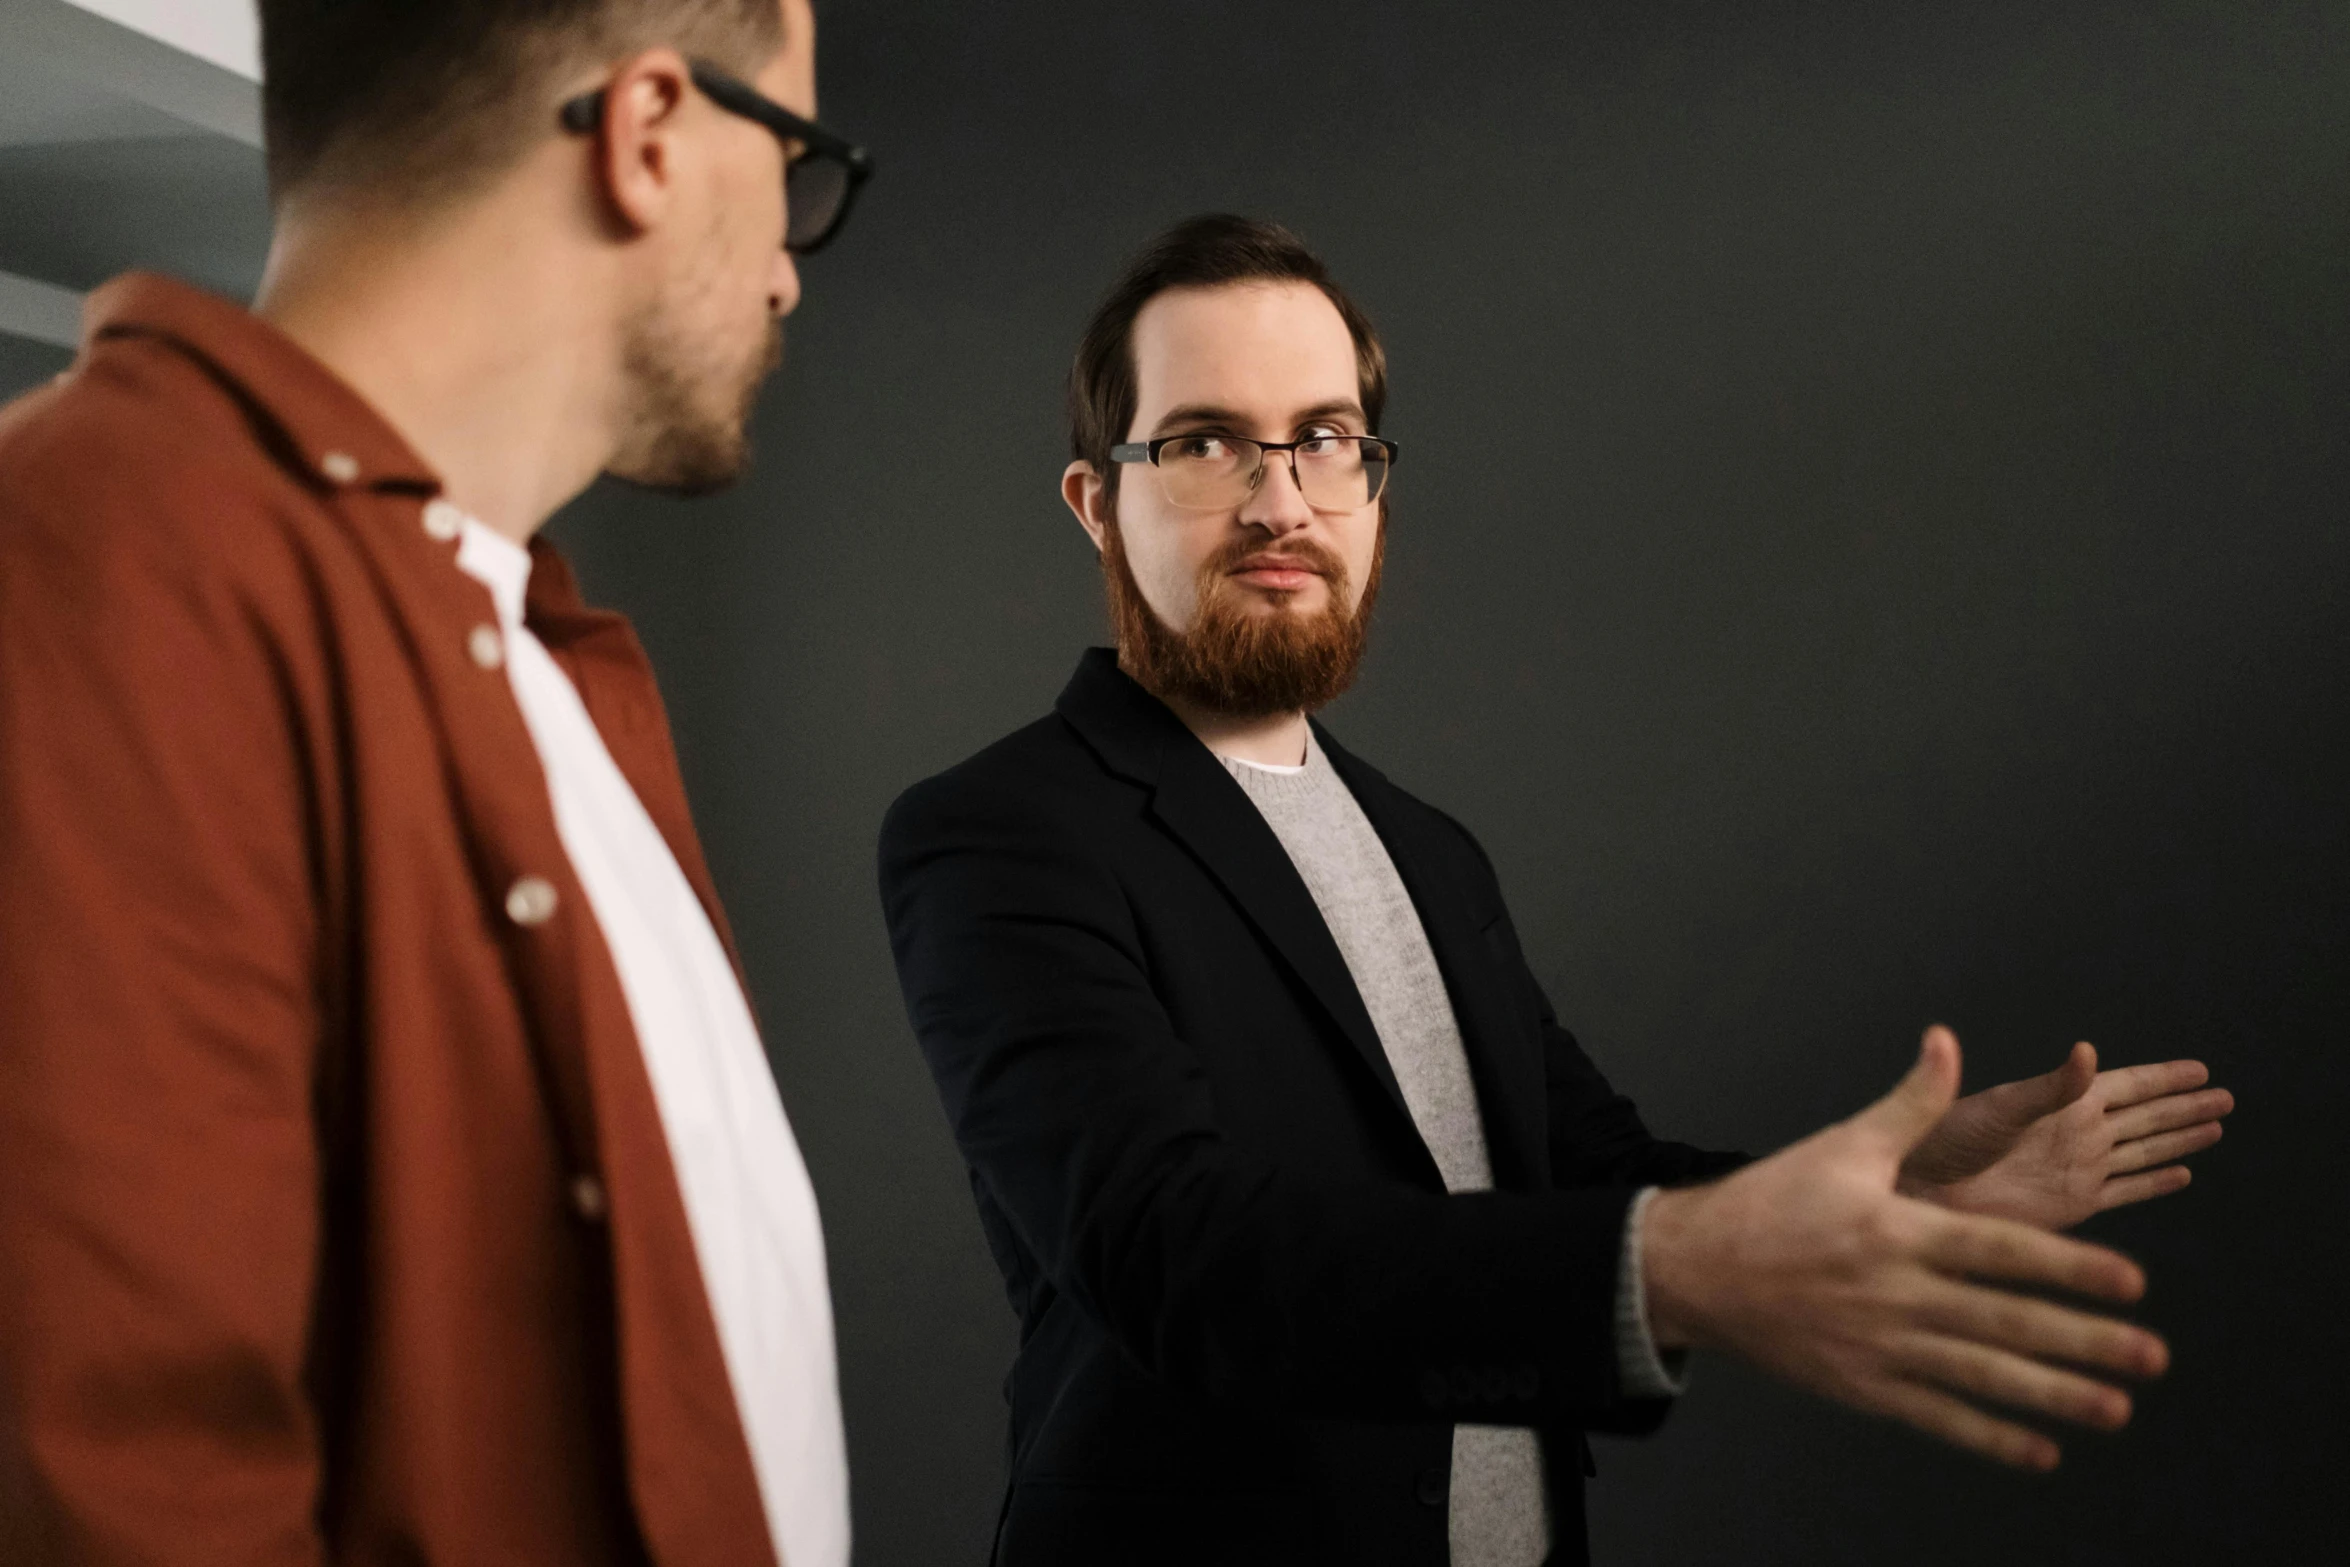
<point>1265,603</point>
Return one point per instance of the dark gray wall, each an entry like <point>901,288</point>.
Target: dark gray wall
<point>25,364</point>
<point>1870,548</point>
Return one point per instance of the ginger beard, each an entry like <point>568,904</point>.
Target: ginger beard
<point>1234,660</point>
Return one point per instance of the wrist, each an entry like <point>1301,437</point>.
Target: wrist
<point>1668,1281</point>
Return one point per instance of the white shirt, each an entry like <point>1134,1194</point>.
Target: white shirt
<point>747,1196</point>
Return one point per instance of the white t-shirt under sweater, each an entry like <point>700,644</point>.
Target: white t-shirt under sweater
<point>747,1196</point>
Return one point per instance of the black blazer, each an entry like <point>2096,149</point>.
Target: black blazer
<point>1249,1313</point>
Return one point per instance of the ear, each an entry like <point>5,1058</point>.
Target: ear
<point>637,151</point>
<point>1083,489</point>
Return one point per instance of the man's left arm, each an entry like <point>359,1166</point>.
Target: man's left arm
<point>1597,1136</point>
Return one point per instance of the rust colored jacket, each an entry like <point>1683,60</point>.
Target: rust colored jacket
<point>336,1220</point>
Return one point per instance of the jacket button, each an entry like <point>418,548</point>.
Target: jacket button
<point>339,467</point>
<point>1433,1486</point>
<point>531,900</point>
<point>588,1199</point>
<point>443,521</point>
<point>486,646</point>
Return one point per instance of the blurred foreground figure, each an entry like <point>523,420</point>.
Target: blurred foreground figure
<point>389,1168</point>
<point>1328,1243</point>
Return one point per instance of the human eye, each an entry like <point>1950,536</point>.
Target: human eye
<point>1203,447</point>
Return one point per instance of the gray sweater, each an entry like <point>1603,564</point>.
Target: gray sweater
<point>1500,1512</point>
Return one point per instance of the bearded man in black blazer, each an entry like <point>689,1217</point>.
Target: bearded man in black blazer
<point>1327,1241</point>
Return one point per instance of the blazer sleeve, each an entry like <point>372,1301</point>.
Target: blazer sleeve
<point>1596,1135</point>
<point>1089,1123</point>
<point>159,1172</point>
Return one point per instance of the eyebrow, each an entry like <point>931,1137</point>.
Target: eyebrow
<point>1211,413</point>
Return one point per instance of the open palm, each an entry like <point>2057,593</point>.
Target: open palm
<point>2052,1150</point>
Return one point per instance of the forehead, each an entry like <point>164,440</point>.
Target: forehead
<point>1265,349</point>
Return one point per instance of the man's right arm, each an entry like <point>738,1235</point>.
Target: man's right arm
<point>1092,1126</point>
<point>159,1169</point>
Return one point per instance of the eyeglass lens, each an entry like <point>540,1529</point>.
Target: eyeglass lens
<point>1339,473</point>
<point>814,190</point>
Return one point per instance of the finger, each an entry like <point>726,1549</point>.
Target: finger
<point>2003,1249</point>
<point>2127,1189</point>
<point>2040,1329</point>
<point>2147,1152</point>
<point>2127,1085</point>
<point>2020,1383</point>
<point>2168,1113</point>
<point>2021,1103</point>
<point>1903,1117</point>
<point>1962,1425</point>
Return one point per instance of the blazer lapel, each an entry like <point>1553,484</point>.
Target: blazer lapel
<point>1504,1056</point>
<point>1205,810</point>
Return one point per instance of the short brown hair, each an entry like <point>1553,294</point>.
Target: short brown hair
<point>1203,252</point>
<point>427,99</point>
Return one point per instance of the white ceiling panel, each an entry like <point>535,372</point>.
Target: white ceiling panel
<point>130,136</point>
<point>226,33</point>
<point>74,46</point>
<point>38,106</point>
<point>39,311</point>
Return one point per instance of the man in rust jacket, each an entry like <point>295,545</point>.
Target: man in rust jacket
<point>389,1171</point>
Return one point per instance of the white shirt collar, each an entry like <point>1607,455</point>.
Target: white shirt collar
<point>1275,768</point>
<point>497,563</point>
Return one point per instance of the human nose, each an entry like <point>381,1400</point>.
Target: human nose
<point>1276,504</point>
<point>783,285</point>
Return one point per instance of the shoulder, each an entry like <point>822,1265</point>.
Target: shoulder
<point>1040,778</point>
<point>138,462</point>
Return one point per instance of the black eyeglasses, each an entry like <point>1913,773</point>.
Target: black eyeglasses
<point>820,177</point>
<point>1208,472</point>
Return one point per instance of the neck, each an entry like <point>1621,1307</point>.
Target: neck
<point>1277,741</point>
<point>493,359</point>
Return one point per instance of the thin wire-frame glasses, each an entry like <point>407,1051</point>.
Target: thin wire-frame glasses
<point>822,170</point>
<point>1211,472</point>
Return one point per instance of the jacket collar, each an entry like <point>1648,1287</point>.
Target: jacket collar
<point>1507,1065</point>
<point>314,422</point>
<point>1139,738</point>
<point>1128,728</point>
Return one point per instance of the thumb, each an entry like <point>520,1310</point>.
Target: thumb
<point>2020,1104</point>
<point>1903,1117</point>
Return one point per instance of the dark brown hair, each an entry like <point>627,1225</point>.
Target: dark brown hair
<point>1203,252</point>
<point>421,100</point>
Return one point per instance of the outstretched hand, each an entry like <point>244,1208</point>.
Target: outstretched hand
<point>1809,1265</point>
<point>2052,1150</point>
